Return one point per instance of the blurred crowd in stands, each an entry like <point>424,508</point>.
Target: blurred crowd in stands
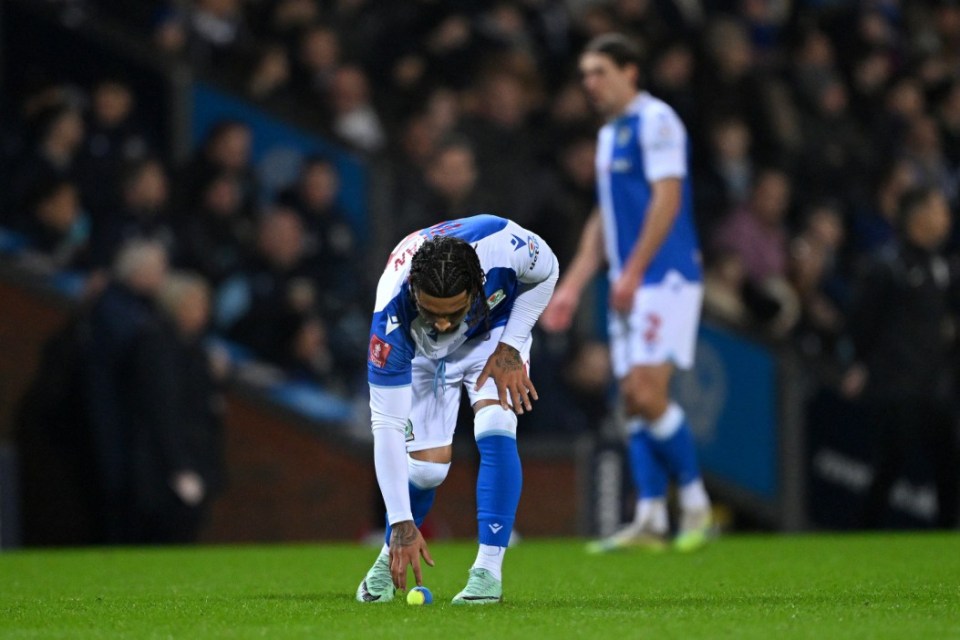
<point>809,120</point>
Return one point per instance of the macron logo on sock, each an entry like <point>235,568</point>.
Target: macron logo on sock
<point>495,527</point>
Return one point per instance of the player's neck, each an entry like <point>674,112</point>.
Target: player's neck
<point>624,104</point>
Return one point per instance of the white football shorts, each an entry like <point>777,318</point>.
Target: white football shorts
<point>436,390</point>
<point>661,327</point>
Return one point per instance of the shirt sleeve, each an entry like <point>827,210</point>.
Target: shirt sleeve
<point>391,349</point>
<point>389,410</point>
<point>537,270</point>
<point>663,143</point>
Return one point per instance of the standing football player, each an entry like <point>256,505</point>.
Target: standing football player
<point>455,307</point>
<point>645,227</point>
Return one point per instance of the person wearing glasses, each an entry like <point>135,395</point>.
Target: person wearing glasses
<point>454,309</point>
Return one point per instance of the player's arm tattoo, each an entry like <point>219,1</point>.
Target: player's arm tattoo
<point>403,534</point>
<point>507,358</point>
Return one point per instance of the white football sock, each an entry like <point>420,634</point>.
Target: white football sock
<point>693,496</point>
<point>490,558</point>
<point>652,514</point>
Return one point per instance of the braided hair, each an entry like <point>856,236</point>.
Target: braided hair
<point>445,266</point>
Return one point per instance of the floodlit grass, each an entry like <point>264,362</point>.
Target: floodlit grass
<point>770,587</point>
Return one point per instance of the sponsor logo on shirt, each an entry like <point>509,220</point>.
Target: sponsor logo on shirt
<point>379,352</point>
<point>517,242</point>
<point>621,165</point>
<point>533,247</point>
<point>495,298</point>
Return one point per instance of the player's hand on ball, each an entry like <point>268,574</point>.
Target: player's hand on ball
<point>406,547</point>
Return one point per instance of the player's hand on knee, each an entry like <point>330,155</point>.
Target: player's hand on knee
<point>514,387</point>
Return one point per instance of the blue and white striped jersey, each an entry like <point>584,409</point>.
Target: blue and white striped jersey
<point>646,143</point>
<point>510,256</point>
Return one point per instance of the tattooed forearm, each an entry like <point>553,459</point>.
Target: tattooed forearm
<point>403,534</point>
<point>508,358</point>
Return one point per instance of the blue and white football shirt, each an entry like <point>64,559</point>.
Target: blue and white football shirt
<point>646,143</point>
<point>510,256</point>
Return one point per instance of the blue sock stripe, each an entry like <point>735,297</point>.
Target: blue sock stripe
<point>650,476</point>
<point>499,483</point>
<point>679,452</point>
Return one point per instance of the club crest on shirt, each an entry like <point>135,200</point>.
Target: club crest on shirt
<point>408,431</point>
<point>623,136</point>
<point>379,352</point>
<point>495,298</point>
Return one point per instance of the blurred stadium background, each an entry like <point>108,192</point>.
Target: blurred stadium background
<point>816,113</point>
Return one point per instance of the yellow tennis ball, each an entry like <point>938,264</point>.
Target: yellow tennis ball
<point>419,596</point>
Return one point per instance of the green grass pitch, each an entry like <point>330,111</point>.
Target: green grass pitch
<point>770,587</point>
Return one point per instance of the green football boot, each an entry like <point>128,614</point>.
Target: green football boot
<point>696,530</point>
<point>482,588</point>
<point>377,585</point>
<point>633,536</point>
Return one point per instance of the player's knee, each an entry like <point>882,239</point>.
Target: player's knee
<point>494,420</point>
<point>426,475</point>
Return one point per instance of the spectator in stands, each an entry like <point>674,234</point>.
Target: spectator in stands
<point>216,238</point>
<point>315,64</point>
<point>279,281</point>
<point>814,271</point>
<point>354,118</point>
<point>757,234</point>
<point>177,444</point>
<point>51,155</point>
<point>730,84</point>
<point>725,172</point>
<point>757,231</point>
<point>120,317</point>
<point>834,157</point>
<point>874,223</point>
<point>269,81</point>
<point>923,153</point>
<point>330,239</point>
<point>870,76</point>
<point>217,34</point>
<point>568,112</point>
<point>451,186</point>
<point>568,195</point>
<point>227,148</point>
<point>903,103</point>
<point>57,229</point>
<point>113,140</point>
<point>504,143</point>
<point>724,280</point>
<point>902,328</point>
<point>143,213</point>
